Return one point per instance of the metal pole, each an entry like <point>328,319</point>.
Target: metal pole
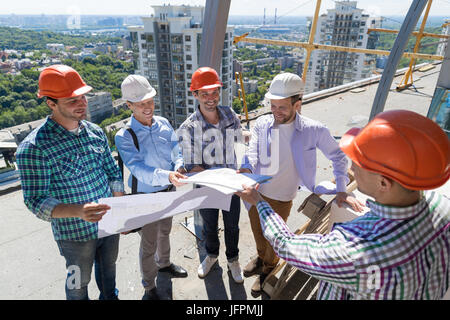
<point>213,34</point>
<point>408,26</point>
<point>211,48</point>
<point>244,100</point>
<point>415,33</point>
<point>316,46</point>
<point>408,77</point>
<point>444,76</point>
<point>312,34</point>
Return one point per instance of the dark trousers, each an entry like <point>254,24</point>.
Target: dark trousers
<point>231,224</point>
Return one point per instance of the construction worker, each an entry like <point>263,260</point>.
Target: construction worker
<point>65,166</point>
<point>400,248</point>
<point>215,126</point>
<point>291,141</point>
<point>149,148</point>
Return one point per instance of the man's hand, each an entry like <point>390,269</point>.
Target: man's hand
<point>91,212</point>
<point>243,170</point>
<point>174,177</point>
<point>250,194</point>
<point>355,204</point>
<point>118,194</point>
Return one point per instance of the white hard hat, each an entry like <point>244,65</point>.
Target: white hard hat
<point>136,88</point>
<point>285,85</point>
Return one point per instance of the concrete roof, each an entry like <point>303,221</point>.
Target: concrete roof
<point>26,126</point>
<point>33,269</point>
<point>7,140</point>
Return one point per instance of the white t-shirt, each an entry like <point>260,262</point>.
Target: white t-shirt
<point>76,131</point>
<point>284,183</point>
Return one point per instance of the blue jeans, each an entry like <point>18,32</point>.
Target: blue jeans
<point>231,224</point>
<point>80,256</point>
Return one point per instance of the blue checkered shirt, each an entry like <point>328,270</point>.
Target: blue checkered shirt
<point>57,166</point>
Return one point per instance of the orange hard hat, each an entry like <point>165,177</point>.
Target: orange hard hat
<point>402,145</point>
<point>205,78</point>
<point>61,81</point>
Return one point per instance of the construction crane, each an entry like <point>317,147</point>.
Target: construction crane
<point>241,94</point>
<point>407,79</point>
<point>310,45</point>
<point>319,208</point>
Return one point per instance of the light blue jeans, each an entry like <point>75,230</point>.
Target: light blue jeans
<point>80,256</point>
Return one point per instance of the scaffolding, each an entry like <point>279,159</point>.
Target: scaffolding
<point>293,283</point>
<point>311,46</point>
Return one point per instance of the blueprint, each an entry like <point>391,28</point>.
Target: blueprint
<point>134,211</point>
<point>225,180</point>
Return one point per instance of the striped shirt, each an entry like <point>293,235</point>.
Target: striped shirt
<point>208,145</point>
<point>57,166</point>
<point>389,253</point>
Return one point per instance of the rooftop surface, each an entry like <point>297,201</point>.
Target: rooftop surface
<point>32,268</point>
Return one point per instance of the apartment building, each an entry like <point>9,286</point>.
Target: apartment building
<point>345,25</point>
<point>169,48</point>
<point>100,106</point>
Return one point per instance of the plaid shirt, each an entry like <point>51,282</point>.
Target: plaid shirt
<point>202,142</point>
<point>57,166</point>
<point>389,253</point>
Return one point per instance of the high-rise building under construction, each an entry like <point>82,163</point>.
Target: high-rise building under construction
<point>169,49</point>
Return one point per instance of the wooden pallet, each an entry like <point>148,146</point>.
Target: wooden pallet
<point>293,283</point>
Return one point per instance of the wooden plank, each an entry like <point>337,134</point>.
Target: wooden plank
<point>292,281</point>
<point>291,286</point>
<point>308,291</point>
<point>426,68</point>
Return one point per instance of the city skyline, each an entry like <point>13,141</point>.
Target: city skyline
<point>242,7</point>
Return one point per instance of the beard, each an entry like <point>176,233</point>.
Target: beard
<point>75,115</point>
<point>79,115</point>
<point>285,119</point>
<point>212,106</point>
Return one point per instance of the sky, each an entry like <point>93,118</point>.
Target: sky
<point>238,7</point>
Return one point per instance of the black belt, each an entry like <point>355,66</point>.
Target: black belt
<point>168,189</point>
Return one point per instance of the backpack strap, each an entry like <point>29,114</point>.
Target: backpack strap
<point>133,178</point>
<point>136,144</point>
<point>120,161</point>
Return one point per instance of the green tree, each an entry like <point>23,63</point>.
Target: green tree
<point>30,104</point>
<point>237,105</point>
<point>31,74</point>
<point>7,120</point>
<point>18,86</point>
<point>20,115</point>
<point>3,90</point>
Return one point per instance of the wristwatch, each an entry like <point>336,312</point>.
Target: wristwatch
<point>183,169</point>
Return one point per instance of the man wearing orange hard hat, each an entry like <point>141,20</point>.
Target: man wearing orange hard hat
<point>215,125</point>
<point>400,248</point>
<point>65,166</point>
